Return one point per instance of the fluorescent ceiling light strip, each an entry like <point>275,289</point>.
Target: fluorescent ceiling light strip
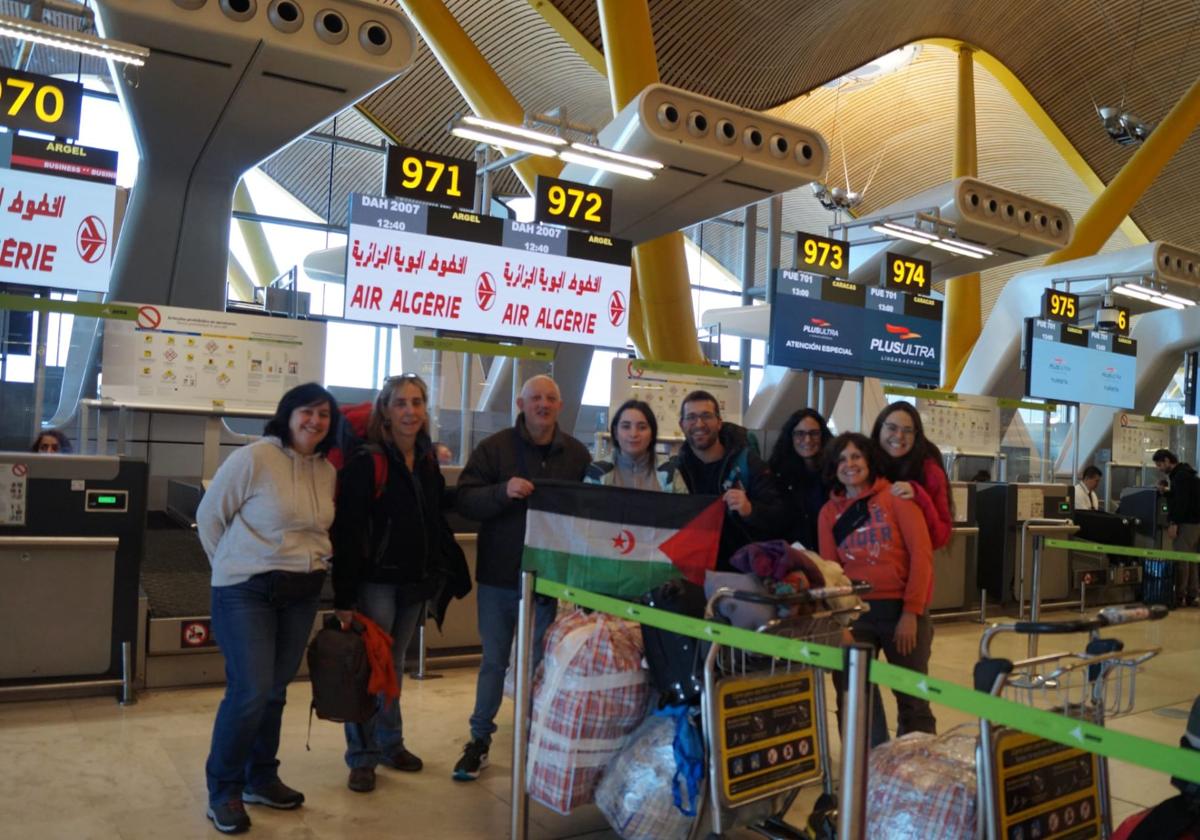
<point>901,234</point>
<point>606,165</point>
<point>1178,299</point>
<point>970,246</point>
<point>619,157</point>
<point>504,142</point>
<point>79,42</point>
<point>520,131</point>
<point>1170,304</point>
<point>911,231</point>
<point>956,249</point>
<point>1136,292</point>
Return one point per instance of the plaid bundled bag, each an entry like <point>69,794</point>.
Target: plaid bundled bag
<point>591,693</point>
<point>923,785</point>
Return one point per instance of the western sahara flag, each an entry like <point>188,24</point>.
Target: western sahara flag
<point>619,542</point>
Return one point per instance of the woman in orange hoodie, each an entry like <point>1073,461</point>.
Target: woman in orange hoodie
<point>882,539</point>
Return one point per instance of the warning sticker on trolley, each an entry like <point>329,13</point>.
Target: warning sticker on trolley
<point>767,734</point>
<point>1045,791</point>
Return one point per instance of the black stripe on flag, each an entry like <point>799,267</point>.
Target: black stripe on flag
<point>617,504</point>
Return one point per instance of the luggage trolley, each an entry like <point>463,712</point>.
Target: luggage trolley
<point>1030,788</point>
<point>764,718</point>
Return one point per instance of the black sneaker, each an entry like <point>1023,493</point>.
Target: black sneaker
<point>474,759</point>
<point>229,817</point>
<point>362,779</point>
<point>402,759</point>
<point>274,794</point>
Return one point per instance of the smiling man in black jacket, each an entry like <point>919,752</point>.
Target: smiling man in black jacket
<point>497,479</point>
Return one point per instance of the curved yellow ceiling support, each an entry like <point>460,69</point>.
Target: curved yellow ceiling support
<point>664,294</point>
<point>475,79</point>
<point>1042,120</point>
<point>964,312</point>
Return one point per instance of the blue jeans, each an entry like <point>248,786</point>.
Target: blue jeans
<point>262,643</point>
<point>383,734</point>
<point>497,627</point>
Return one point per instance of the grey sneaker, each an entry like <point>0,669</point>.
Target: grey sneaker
<point>274,794</point>
<point>474,759</point>
<point>229,817</point>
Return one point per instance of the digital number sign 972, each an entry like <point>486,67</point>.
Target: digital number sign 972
<point>559,202</point>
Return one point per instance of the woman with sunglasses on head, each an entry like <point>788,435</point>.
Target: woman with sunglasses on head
<point>634,430</point>
<point>881,538</point>
<point>264,523</point>
<point>392,555</point>
<point>797,464</point>
<point>913,464</point>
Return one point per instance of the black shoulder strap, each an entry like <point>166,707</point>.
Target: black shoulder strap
<point>852,518</point>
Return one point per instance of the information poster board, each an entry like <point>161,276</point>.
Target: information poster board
<point>197,358</point>
<point>55,232</point>
<point>663,385</point>
<point>966,423</point>
<point>413,264</point>
<point>1066,363</point>
<point>1045,790</point>
<point>766,733</point>
<point>828,325</point>
<point>1136,438</point>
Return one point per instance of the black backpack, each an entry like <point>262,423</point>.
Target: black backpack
<point>340,672</point>
<point>676,662</point>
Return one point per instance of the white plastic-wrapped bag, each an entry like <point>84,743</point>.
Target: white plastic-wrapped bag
<point>635,792</point>
<point>923,785</point>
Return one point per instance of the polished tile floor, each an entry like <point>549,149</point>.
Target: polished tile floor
<point>88,768</point>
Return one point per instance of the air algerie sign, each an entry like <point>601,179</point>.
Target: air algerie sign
<point>415,264</point>
<point>838,327</point>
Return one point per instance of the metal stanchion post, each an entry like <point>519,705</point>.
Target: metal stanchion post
<point>524,680</point>
<point>128,694</point>
<point>421,673</point>
<point>856,737</point>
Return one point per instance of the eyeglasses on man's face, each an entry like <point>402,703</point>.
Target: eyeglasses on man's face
<point>702,417</point>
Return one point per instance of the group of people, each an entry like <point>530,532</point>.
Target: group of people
<point>277,518</point>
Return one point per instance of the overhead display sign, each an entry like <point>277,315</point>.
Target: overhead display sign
<point>1060,306</point>
<point>559,202</point>
<point>415,265</point>
<point>411,173</point>
<point>819,254</point>
<point>55,232</point>
<point>66,160</point>
<point>834,326</point>
<point>197,358</point>
<point>1070,364</point>
<point>907,274</point>
<point>40,103</point>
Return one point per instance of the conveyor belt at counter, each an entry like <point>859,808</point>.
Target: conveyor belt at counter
<point>175,570</point>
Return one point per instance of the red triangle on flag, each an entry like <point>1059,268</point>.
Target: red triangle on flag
<point>693,548</point>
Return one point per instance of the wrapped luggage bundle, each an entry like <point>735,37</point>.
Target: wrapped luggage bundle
<point>590,694</point>
<point>922,785</point>
<point>635,794</point>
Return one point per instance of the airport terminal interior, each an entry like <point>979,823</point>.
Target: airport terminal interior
<point>484,227</point>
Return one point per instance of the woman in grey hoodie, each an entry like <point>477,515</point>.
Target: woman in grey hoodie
<point>264,522</point>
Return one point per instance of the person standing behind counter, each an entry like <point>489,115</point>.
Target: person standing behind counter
<point>264,523</point>
<point>393,554</point>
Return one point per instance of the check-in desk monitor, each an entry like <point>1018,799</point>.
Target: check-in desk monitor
<point>954,563</point>
<point>1002,510</point>
<point>71,530</point>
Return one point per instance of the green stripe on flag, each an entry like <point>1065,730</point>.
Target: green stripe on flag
<point>619,578</point>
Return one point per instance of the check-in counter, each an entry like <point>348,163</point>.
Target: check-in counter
<point>1010,516</point>
<point>71,530</point>
<point>954,563</point>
